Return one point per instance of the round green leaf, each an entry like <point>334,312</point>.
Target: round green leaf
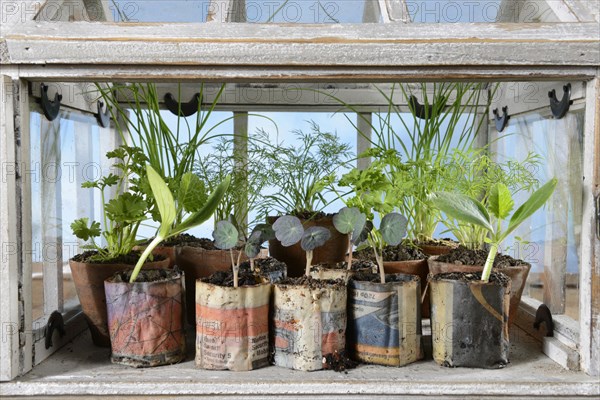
<point>225,235</point>
<point>314,237</point>
<point>348,220</point>
<point>288,230</point>
<point>252,249</point>
<point>361,235</point>
<point>263,232</point>
<point>393,228</point>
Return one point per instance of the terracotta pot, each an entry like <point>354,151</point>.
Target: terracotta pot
<point>469,322</point>
<point>198,263</point>
<point>435,249</point>
<point>384,321</point>
<point>89,283</point>
<point>419,268</point>
<point>332,252</point>
<point>145,318</point>
<point>232,328</point>
<point>517,274</point>
<point>309,324</point>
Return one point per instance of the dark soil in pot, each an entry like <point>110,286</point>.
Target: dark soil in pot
<point>145,318</point>
<point>340,270</point>
<point>384,319</point>
<point>436,247</point>
<point>269,268</point>
<point>469,319</point>
<point>89,277</point>
<point>464,256</point>
<point>294,257</point>
<point>393,253</point>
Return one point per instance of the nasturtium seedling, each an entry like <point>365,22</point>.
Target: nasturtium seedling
<point>391,231</point>
<point>350,221</point>
<point>290,231</point>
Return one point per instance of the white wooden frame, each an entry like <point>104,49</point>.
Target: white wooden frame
<point>82,51</point>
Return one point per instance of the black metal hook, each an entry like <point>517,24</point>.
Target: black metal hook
<point>560,107</point>
<point>54,322</point>
<point>182,109</point>
<point>419,109</point>
<point>50,108</point>
<point>501,121</point>
<point>103,117</point>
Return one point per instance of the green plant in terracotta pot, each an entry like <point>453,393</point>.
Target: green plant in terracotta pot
<point>136,299</point>
<point>110,243</point>
<point>484,295</point>
<point>302,175</point>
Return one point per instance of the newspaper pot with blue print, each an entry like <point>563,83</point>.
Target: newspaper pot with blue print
<point>232,329</point>
<point>384,312</point>
<point>309,315</point>
<point>469,319</point>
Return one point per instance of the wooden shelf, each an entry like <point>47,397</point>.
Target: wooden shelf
<point>80,368</point>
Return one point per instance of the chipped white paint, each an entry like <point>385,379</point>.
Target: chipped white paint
<point>372,45</point>
<point>9,269</point>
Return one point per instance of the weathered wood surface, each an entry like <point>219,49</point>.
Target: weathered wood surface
<point>373,45</point>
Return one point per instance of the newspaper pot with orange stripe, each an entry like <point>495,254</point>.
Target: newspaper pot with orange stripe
<point>232,326</point>
<point>384,319</point>
<point>469,319</point>
<point>309,322</point>
<point>145,318</point>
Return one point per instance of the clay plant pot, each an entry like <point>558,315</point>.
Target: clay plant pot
<point>294,257</point>
<point>89,284</point>
<point>436,249</point>
<point>384,320</point>
<point>469,320</point>
<point>196,263</point>
<point>419,268</point>
<point>232,328</point>
<point>145,318</point>
<point>310,322</point>
<point>518,275</point>
<point>169,252</point>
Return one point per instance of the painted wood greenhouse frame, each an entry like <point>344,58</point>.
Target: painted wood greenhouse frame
<point>69,43</point>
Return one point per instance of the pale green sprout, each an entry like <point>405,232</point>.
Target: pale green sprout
<point>500,205</point>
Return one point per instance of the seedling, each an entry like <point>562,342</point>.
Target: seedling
<point>350,221</point>
<point>391,231</point>
<point>500,204</point>
<point>289,231</point>
<point>227,237</point>
<point>168,213</point>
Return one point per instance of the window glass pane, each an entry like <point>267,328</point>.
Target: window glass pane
<point>551,239</point>
<point>160,10</point>
<point>487,11</point>
<point>307,11</point>
<point>64,153</point>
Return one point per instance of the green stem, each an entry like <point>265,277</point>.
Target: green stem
<point>155,242</point>
<point>379,259</point>
<point>350,251</point>
<point>309,257</point>
<point>489,262</point>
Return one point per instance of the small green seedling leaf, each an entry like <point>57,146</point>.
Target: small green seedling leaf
<point>252,249</point>
<point>164,200</point>
<point>314,237</point>
<point>537,199</point>
<point>225,235</point>
<point>348,220</point>
<point>288,230</point>
<point>126,208</point>
<point>500,201</point>
<point>393,228</point>
<point>83,231</point>
<point>463,208</point>
<point>359,236</point>
<point>192,192</point>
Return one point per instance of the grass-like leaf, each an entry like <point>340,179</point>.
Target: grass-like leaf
<point>537,199</point>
